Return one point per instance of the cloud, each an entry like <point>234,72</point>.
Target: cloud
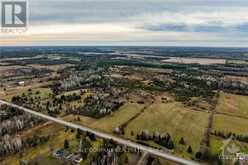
<point>167,27</point>
<point>158,21</point>
<point>232,21</point>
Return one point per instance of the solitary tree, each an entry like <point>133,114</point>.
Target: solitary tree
<point>198,155</point>
<point>66,128</point>
<point>78,134</point>
<point>189,150</point>
<point>170,144</point>
<point>66,144</point>
<point>182,141</point>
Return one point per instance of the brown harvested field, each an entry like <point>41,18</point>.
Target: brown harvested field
<point>9,70</point>
<point>232,104</point>
<point>236,78</point>
<point>202,61</point>
<point>20,58</point>
<point>51,67</point>
<point>131,77</point>
<point>230,124</point>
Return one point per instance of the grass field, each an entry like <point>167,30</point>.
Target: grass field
<point>174,119</point>
<point>236,62</point>
<point>84,120</point>
<point>108,123</point>
<point>215,144</point>
<point>230,124</point>
<point>12,93</point>
<point>233,104</point>
<point>43,93</point>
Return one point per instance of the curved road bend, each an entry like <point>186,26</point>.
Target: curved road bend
<point>108,136</point>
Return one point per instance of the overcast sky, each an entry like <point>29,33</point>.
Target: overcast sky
<point>135,22</point>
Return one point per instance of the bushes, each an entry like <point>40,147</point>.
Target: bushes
<point>10,144</point>
<point>182,142</point>
<point>198,155</point>
<point>7,112</point>
<point>66,144</point>
<point>165,141</point>
<point>189,150</point>
<point>99,106</point>
<point>72,97</point>
<point>241,138</point>
<point>36,140</point>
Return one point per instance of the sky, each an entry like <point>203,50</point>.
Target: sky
<point>215,23</point>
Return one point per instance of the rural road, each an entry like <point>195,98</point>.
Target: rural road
<point>107,136</point>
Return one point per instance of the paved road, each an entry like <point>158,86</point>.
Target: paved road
<point>108,136</point>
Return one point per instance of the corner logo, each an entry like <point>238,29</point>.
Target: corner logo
<point>229,147</point>
<point>231,153</point>
<point>14,14</point>
<point>233,148</point>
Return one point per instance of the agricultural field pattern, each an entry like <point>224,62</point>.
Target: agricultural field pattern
<point>190,103</point>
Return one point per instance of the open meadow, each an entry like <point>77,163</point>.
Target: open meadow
<point>174,119</point>
<point>232,104</point>
<point>108,123</point>
<point>231,124</point>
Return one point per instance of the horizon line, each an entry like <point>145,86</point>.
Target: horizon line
<point>109,45</point>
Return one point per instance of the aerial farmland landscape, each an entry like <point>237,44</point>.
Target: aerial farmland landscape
<point>191,107</point>
<point>123,82</point>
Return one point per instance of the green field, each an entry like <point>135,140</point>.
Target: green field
<point>236,62</point>
<point>233,104</point>
<point>43,93</point>
<point>230,124</point>
<point>174,119</point>
<point>215,144</point>
<point>108,123</point>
